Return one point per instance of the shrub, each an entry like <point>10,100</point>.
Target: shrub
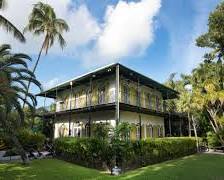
<point>213,139</point>
<point>30,140</point>
<point>92,152</point>
<point>85,151</point>
<point>101,130</point>
<point>122,131</point>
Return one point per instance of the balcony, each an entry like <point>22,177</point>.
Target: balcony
<point>131,99</point>
<point>85,101</point>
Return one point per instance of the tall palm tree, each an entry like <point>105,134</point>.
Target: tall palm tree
<point>43,20</point>
<point>13,77</point>
<point>8,26</point>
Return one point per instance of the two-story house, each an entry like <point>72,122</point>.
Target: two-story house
<point>110,94</point>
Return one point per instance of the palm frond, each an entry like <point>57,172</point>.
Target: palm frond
<point>9,27</point>
<point>2,4</point>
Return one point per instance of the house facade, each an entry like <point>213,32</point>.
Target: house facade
<point>110,94</point>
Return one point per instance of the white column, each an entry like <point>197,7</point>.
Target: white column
<point>117,116</point>
<point>145,131</point>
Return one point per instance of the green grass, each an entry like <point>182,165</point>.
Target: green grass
<point>200,167</point>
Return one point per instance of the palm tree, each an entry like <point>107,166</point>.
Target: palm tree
<point>13,77</point>
<point>6,24</point>
<point>171,83</point>
<point>43,20</point>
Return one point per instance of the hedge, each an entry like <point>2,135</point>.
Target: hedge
<point>92,152</point>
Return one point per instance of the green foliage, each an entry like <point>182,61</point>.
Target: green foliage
<point>43,20</point>
<point>85,151</point>
<point>8,26</point>
<point>212,139</point>
<point>92,152</point>
<point>101,130</point>
<point>30,140</point>
<point>214,37</point>
<point>122,131</point>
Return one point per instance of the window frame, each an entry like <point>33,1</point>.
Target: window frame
<point>101,96</point>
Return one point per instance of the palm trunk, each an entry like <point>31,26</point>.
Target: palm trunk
<point>195,133</point>
<point>34,69</point>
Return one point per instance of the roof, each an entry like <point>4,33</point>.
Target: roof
<point>166,92</point>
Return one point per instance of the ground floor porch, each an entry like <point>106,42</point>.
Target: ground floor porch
<point>81,124</point>
<point>145,122</point>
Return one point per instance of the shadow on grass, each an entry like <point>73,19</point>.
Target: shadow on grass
<point>159,169</point>
<point>200,167</point>
<point>15,171</point>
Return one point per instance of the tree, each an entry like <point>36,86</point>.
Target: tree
<point>8,26</point>
<point>43,20</point>
<point>184,104</point>
<point>213,101</point>
<point>210,94</point>
<point>171,83</point>
<point>214,38</point>
<point>13,77</point>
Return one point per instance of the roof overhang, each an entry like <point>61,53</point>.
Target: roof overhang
<point>166,92</point>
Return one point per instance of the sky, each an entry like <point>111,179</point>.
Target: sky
<point>153,37</point>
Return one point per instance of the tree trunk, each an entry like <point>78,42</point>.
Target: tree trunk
<point>195,133</point>
<point>215,126</point>
<point>34,69</point>
<point>20,148</point>
<point>11,132</point>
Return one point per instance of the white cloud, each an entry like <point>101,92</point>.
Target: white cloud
<point>127,31</point>
<point>83,27</point>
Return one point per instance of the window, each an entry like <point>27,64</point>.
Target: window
<point>157,103</point>
<point>88,97</point>
<point>138,98</point>
<point>101,95</point>
<point>76,101</point>
<point>126,95</point>
<point>159,131</point>
<point>77,131</point>
<point>151,131</point>
<point>137,131</point>
<point>150,101</point>
<point>87,129</point>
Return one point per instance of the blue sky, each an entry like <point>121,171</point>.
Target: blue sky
<point>152,37</point>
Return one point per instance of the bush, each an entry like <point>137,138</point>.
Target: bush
<point>212,139</point>
<point>84,151</point>
<point>30,140</point>
<point>92,152</point>
<point>101,130</point>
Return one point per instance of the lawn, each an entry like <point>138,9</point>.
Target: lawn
<point>198,167</point>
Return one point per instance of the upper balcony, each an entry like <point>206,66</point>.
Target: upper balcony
<point>151,98</point>
<point>153,103</point>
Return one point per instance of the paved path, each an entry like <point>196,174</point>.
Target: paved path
<point>8,158</point>
<point>214,152</point>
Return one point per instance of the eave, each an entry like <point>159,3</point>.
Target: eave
<point>166,92</point>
